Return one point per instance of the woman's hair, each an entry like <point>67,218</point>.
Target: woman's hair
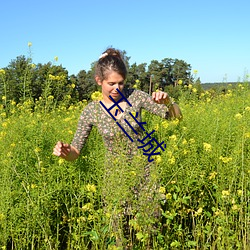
<point>110,60</point>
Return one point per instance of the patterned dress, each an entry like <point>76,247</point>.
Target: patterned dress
<point>126,184</point>
<point>94,115</point>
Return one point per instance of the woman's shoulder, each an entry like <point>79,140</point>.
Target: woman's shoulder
<point>136,94</point>
<point>90,107</point>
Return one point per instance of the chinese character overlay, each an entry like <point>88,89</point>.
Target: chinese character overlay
<point>148,147</point>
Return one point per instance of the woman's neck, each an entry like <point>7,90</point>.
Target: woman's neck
<point>108,101</point>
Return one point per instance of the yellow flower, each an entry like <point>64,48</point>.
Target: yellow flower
<point>50,97</point>
<point>191,140</point>
<point>108,215</point>
<point>13,103</point>
<point>81,219</point>
<point>73,85</point>
<point>235,207</point>
<point>2,72</point>
<point>164,124</point>
<point>194,90</point>
<point>162,190</point>
<point>90,217</point>
<point>3,97</point>
<point>225,159</point>
<point>175,122</point>
<point>238,116</point>
<point>168,196</point>
<point>61,161</point>
<point>246,108</point>
<point>137,81</point>
<point>180,82</point>
<point>158,159</point>
<point>207,147</point>
<point>4,124</point>
<point>87,207</point>
<point>171,160</point>
<point>212,175</point>
<point>239,192</point>
<point>218,212</point>
<point>135,86</point>
<point>184,141</point>
<point>96,96</point>
<point>133,173</point>
<point>190,86</point>
<point>51,77</point>
<point>173,137</point>
<point>91,188</point>
<point>225,193</point>
<point>29,44</point>
<point>198,212</point>
<point>195,71</point>
<point>2,217</point>
<point>56,58</point>
<point>156,127</point>
<point>37,149</point>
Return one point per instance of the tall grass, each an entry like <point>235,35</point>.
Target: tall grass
<point>47,203</point>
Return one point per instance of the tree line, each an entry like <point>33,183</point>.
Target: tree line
<point>22,79</point>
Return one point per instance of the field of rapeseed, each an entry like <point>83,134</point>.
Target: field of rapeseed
<point>47,203</point>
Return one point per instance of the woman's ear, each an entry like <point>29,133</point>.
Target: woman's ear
<point>98,80</point>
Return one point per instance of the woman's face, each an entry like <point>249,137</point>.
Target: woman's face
<point>110,85</point>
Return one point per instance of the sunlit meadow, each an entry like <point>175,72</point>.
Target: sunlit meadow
<point>47,203</point>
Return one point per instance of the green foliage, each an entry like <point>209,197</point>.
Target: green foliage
<point>203,179</point>
<point>26,80</point>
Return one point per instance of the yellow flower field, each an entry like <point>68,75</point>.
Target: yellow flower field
<point>203,177</point>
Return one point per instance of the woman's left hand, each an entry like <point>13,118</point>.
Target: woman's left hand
<point>161,97</point>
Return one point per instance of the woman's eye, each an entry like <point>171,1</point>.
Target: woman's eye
<point>112,84</point>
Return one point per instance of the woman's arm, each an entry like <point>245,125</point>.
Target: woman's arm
<point>163,98</point>
<point>160,104</point>
<point>70,152</point>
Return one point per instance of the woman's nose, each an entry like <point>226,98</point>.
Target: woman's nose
<point>117,86</point>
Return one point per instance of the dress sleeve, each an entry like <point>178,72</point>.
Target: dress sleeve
<point>83,129</point>
<point>151,106</point>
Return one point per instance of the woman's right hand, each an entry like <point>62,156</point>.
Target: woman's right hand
<point>61,149</point>
<point>66,151</point>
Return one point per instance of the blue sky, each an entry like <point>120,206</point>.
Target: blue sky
<point>212,36</point>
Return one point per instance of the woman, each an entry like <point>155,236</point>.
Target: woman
<point>118,119</point>
<point>111,74</point>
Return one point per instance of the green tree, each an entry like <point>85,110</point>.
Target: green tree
<point>138,73</point>
<point>86,84</point>
<point>18,79</point>
<point>52,80</point>
<point>181,71</point>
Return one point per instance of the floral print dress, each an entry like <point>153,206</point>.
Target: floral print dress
<point>95,115</point>
<point>137,192</point>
